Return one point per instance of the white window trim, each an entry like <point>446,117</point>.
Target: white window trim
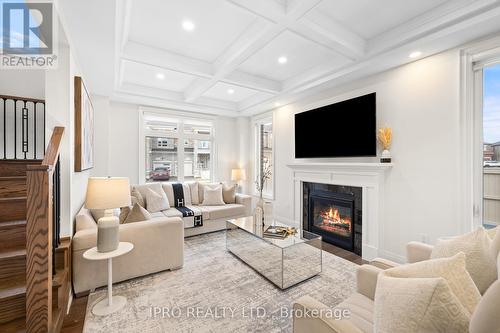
<point>182,117</point>
<point>474,58</point>
<point>258,120</point>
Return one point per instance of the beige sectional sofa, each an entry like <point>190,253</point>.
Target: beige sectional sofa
<point>158,242</point>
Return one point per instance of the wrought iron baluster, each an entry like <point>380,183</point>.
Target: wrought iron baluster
<point>25,129</point>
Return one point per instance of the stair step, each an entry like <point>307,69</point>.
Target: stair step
<point>12,235</point>
<point>12,264</point>
<point>15,167</point>
<point>13,209</point>
<point>14,326</point>
<point>12,303</point>
<point>13,186</point>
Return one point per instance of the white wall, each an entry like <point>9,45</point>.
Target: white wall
<point>23,83</point>
<point>420,101</point>
<point>59,91</point>
<point>117,137</point>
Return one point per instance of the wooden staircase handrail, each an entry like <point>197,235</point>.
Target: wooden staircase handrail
<point>39,238</point>
<point>52,152</point>
<point>19,98</point>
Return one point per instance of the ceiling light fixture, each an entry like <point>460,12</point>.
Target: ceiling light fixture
<point>415,54</point>
<point>282,60</point>
<point>277,104</point>
<point>230,91</point>
<point>160,76</point>
<point>188,25</point>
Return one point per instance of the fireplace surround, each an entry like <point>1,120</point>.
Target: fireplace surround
<point>369,176</point>
<point>335,213</point>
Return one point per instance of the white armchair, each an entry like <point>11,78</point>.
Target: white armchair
<point>361,305</point>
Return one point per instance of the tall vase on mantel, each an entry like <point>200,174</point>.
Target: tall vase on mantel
<point>385,138</point>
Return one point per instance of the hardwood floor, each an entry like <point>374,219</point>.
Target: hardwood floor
<point>73,323</point>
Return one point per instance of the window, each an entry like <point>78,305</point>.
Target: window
<point>491,145</point>
<point>177,149</point>
<point>264,160</point>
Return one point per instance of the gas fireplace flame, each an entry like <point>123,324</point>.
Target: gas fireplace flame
<point>332,219</point>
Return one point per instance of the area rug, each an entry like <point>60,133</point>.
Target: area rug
<point>216,292</point>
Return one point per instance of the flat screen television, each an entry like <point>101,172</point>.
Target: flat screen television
<point>344,129</point>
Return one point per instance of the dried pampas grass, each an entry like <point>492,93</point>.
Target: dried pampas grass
<point>385,137</point>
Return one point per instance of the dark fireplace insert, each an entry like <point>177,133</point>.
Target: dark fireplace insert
<point>334,212</point>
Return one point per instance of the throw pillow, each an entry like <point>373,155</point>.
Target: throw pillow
<point>124,211</point>
<point>213,196</point>
<point>156,202</point>
<point>201,189</point>
<point>418,305</point>
<point>137,214</point>
<point>480,262</point>
<point>435,295</point>
<point>452,269</point>
<point>195,198</point>
<point>136,196</point>
<point>229,193</point>
<point>98,213</point>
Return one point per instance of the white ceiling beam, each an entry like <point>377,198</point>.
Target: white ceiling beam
<point>157,57</point>
<point>451,13</point>
<point>253,81</point>
<point>324,30</point>
<point>295,9</point>
<point>173,96</point>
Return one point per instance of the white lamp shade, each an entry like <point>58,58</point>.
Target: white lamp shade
<point>107,193</point>
<point>238,174</point>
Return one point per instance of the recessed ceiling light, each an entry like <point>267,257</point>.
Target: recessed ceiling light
<point>282,60</point>
<point>230,91</point>
<point>415,54</point>
<point>160,76</point>
<point>277,104</point>
<point>188,25</point>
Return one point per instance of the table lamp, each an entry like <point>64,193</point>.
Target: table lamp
<point>108,194</point>
<point>237,175</point>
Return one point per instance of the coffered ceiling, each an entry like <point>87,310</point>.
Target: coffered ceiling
<point>241,57</point>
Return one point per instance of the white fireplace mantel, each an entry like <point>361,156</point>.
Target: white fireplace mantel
<point>369,176</point>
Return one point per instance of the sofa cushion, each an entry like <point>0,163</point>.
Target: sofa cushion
<point>172,212</point>
<point>169,191</point>
<point>219,212</point>
<point>485,318</point>
<point>477,248</point>
<point>193,188</point>
<point>229,193</point>
<point>213,196</point>
<point>361,310</point>
<point>137,214</point>
<point>156,202</point>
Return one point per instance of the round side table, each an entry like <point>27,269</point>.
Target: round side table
<point>112,303</point>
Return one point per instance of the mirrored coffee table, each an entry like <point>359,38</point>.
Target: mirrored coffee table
<point>284,262</point>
